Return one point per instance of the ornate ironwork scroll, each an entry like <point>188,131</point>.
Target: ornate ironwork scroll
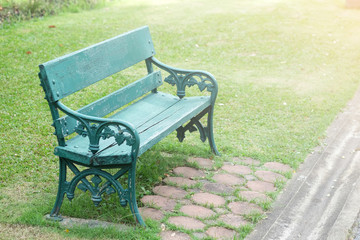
<point>182,78</point>
<point>95,132</point>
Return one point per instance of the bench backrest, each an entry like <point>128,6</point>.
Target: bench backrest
<point>68,74</point>
<point>75,71</point>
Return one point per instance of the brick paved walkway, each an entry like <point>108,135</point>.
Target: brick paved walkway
<point>207,202</point>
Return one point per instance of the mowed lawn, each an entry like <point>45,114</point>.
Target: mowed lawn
<point>284,68</point>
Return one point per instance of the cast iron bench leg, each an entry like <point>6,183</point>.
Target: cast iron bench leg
<point>54,215</point>
<point>210,132</point>
<point>132,195</point>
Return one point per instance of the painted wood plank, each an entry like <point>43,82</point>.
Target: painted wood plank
<point>68,74</point>
<point>171,120</point>
<point>123,96</point>
<point>147,108</point>
<point>113,101</point>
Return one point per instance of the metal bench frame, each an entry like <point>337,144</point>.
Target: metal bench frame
<point>116,142</point>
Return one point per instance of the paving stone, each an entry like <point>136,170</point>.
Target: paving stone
<point>269,176</point>
<point>244,208</point>
<point>250,177</point>
<point>251,195</point>
<point>221,233</point>
<point>171,235</point>
<point>243,189</point>
<point>238,169</point>
<point>228,179</point>
<point>188,172</point>
<point>233,220</point>
<point>217,188</point>
<point>247,160</point>
<point>202,162</point>
<point>278,166</point>
<point>169,191</point>
<point>203,181</point>
<point>185,201</point>
<point>221,210</point>
<point>180,181</point>
<point>260,186</point>
<point>210,222</point>
<point>208,199</point>
<point>151,213</point>
<point>230,198</point>
<point>194,190</point>
<point>164,203</point>
<point>186,222</point>
<point>197,211</point>
<point>200,235</point>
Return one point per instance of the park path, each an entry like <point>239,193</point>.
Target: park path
<point>204,201</point>
<point>322,199</point>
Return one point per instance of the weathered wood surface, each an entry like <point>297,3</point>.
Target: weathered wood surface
<point>80,69</point>
<point>112,102</point>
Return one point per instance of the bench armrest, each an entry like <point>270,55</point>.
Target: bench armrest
<point>182,78</point>
<point>96,128</point>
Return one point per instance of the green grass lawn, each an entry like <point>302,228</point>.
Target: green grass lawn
<point>284,68</point>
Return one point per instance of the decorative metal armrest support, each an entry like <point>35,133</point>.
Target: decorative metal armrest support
<point>204,80</point>
<point>182,78</point>
<point>96,128</point>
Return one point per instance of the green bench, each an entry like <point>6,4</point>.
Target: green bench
<point>145,117</point>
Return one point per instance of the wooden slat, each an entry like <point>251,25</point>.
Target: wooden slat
<point>123,96</point>
<point>68,74</point>
<point>77,150</point>
<point>113,101</point>
<point>161,126</point>
<point>149,107</point>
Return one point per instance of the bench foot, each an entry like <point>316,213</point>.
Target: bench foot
<point>55,218</point>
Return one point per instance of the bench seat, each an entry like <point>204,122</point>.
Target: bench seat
<point>154,117</point>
